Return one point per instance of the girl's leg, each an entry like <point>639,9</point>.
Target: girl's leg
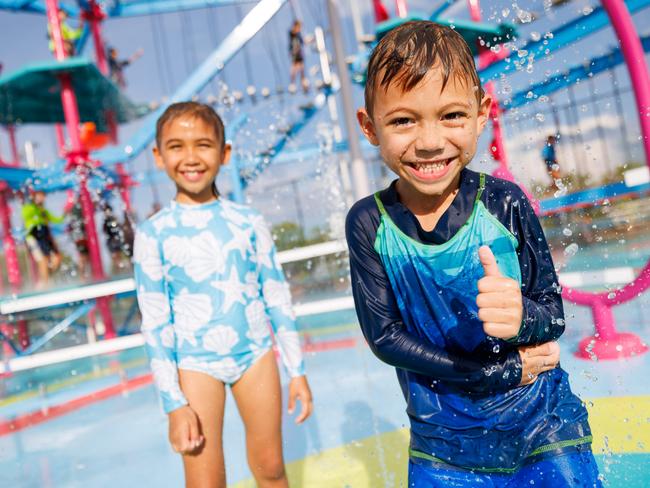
<point>577,470</point>
<point>206,396</point>
<point>259,400</point>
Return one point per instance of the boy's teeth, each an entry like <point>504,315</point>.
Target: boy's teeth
<point>430,168</point>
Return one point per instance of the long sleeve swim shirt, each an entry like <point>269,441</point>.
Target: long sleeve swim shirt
<point>415,293</point>
<point>209,285</point>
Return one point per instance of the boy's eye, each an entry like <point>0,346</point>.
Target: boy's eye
<point>400,121</point>
<point>455,115</point>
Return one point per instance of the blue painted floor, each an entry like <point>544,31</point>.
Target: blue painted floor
<point>122,441</point>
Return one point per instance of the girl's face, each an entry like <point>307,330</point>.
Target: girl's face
<point>191,155</point>
<point>426,135</point>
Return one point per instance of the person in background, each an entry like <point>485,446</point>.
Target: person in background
<point>38,236</point>
<point>116,66</point>
<point>550,159</point>
<point>296,51</point>
<point>70,34</point>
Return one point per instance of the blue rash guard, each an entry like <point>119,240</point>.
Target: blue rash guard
<point>463,401</point>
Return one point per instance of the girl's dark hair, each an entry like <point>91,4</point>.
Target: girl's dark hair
<point>408,52</point>
<point>192,109</point>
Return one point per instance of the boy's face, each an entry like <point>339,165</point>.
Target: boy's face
<point>191,155</point>
<point>425,135</point>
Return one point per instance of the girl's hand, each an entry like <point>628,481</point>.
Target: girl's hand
<point>537,359</point>
<point>184,430</point>
<point>299,390</point>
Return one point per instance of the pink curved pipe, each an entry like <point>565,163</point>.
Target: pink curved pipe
<point>635,60</point>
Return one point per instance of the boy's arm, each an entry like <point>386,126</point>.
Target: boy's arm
<point>277,299</point>
<point>387,336</point>
<point>157,323</point>
<point>543,312</point>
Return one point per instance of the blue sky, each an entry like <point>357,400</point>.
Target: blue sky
<point>190,36</point>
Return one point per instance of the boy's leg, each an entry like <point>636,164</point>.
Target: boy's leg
<point>575,470</point>
<point>259,400</point>
<point>206,396</point>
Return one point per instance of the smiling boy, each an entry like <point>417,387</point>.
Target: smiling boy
<point>454,284</point>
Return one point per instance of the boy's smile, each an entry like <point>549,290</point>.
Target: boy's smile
<point>426,135</point>
<point>191,155</point>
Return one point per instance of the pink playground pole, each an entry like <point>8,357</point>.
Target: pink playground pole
<point>15,159</point>
<point>95,16</point>
<point>402,9</point>
<point>78,159</point>
<point>607,342</point>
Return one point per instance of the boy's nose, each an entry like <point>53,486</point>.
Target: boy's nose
<point>429,139</point>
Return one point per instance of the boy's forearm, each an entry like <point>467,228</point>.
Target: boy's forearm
<point>541,322</point>
<point>400,349</point>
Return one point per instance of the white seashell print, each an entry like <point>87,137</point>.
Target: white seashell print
<point>166,377</point>
<point>220,339</point>
<point>233,213</point>
<point>149,338</point>
<point>233,290</point>
<point>252,285</point>
<point>207,257</point>
<point>263,241</point>
<point>164,220</point>
<point>289,346</point>
<point>276,293</point>
<point>192,311</point>
<point>147,256</point>
<point>227,370</point>
<point>154,308</point>
<point>240,242</point>
<point>258,328</point>
<point>168,337</point>
<point>177,250</point>
<point>198,219</point>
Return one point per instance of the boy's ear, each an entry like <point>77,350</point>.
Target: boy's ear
<point>158,157</point>
<point>227,151</point>
<point>367,126</point>
<point>484,112</point>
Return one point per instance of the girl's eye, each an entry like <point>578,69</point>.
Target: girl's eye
<point>401,121</point>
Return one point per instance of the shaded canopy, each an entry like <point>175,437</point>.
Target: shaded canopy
<point>32,94</point>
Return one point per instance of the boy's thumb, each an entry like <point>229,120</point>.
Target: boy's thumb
<point>488,261</point>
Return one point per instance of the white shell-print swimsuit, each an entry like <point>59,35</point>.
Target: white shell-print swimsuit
<point>208,284</point>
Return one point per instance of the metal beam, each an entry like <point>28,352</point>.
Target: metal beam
<point>565,36</point>
<point>570,77</point>
<point>215,62</point>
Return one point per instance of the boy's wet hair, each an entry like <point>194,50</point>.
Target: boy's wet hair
<point>408,52</point>
<point>191,109</point>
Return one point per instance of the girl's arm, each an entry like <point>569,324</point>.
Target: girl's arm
<point>277,299</point>
<point>157,322</point>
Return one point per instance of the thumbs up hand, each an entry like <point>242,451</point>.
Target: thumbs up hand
<point>499,299</point>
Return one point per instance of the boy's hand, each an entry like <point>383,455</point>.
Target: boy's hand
<point>499,299</point>
<point>537,359</point>
<point>299,390</point>
<point>184,430</point>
